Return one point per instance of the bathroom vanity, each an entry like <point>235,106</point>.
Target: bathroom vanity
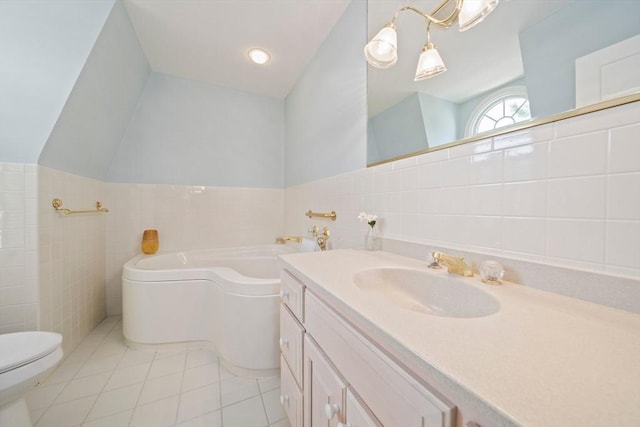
<point>376,339</point>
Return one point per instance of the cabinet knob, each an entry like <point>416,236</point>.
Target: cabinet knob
<point>284,294</point>
<point>284,399</point>
<point>283,342</point>
<point>330,410</point>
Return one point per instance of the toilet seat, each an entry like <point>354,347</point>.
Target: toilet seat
<point>21,348</point>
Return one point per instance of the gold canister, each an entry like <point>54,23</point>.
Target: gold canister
<point>150,243</point>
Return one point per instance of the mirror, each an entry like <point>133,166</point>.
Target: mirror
<point>527,62</point>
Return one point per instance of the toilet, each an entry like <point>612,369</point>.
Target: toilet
<point>26,358</point>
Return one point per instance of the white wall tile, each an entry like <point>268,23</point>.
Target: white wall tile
<point>556,189</point>
<point>623,244</point>
<point>404,163</point>
<point>411,179</point>
<point>465,150</point>
<point>526,235</point>
<point>71,255</point>
<point>527,199</point>
<point>486,168</point>
<point>577,197</point>
<point>624,150</point>
<point>485,199</point>
<point>454,200</point>
<point>485,232</point>
<point>577,240</point>
<point>623,192</point>
<point>411,202</point>
<point>526,163</point>
<point>584,154</point>
<point>524,137</point>
<point>194,217</point>
<point>433,157</point>
<point>605,119</point>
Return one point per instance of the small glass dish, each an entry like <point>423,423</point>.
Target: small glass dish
<point>491,272</point>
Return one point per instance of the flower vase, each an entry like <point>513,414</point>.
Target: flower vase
<point>372,241</point>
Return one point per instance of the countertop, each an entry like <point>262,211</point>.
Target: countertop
<point>542,360</point>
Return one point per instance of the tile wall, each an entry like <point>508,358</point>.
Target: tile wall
<point>51,266</point>
<point>566,193</point>
<point>71,256</point>
<point>18,248</point>
<point>187,217</point>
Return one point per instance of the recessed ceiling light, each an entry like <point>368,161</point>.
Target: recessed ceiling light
<point>259,56</point>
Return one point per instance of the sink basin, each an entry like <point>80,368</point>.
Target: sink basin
<point>424,292</point>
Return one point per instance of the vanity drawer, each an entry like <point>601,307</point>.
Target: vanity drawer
<point>292,294</point>
<point>394,397</point>
<point>290,395</point>
<point>291,337</point>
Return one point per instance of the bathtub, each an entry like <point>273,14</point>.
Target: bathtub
<point>224,298</point>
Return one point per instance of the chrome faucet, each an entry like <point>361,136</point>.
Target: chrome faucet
<point>455,265</point>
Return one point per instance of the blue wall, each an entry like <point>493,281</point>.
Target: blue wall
<point>397,130</point>
<point>43,46</point>
<point>326,126</point>
<point>191,133</point>
<point>549,55</point>
<point>94,119</point>
<point>418,122</point>
<point>439,117</point>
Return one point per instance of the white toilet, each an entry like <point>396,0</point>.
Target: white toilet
<point>26,358</point>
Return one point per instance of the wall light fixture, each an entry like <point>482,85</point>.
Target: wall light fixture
<point>382,50</point>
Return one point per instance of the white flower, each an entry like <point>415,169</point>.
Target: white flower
<point>368,218</point>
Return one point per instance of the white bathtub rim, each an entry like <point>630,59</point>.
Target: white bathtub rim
<point>186,256</point>
<point>135,270</point>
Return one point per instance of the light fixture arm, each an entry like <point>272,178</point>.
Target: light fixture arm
<point>431,17</point>
<point>382,50</point>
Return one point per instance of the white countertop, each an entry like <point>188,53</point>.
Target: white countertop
<point>542,360</point>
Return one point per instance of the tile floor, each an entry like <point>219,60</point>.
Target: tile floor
<point>103,383</point>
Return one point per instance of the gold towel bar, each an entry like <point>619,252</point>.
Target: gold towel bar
<point>57,205</point>
<point>331,216</point>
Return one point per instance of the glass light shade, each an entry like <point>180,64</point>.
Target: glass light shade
<point>382,50</point>
<point>474,11</point>
<point>430,63</point>
<point>259,56</point>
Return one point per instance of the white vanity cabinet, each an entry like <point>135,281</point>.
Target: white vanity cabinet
<point>347,381</point>
<point>325,389</point>
<point>291,348</point>
<point>357,414</point>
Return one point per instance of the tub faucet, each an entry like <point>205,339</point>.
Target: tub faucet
<point>455,265</point>
<point>322,238</point>
<point>285,239</point>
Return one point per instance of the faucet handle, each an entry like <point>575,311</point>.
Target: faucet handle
<point>433,262</point>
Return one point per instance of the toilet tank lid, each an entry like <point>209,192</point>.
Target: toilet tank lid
<point>20,348</point>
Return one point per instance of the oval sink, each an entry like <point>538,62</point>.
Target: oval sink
<point>423,292</point>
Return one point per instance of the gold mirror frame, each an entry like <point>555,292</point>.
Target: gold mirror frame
<point>514,128</point>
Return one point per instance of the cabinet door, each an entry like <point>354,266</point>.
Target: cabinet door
<point>290,397</point>
<point>324,390</point>
<point>291,335</point>
<point>357,414</point>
